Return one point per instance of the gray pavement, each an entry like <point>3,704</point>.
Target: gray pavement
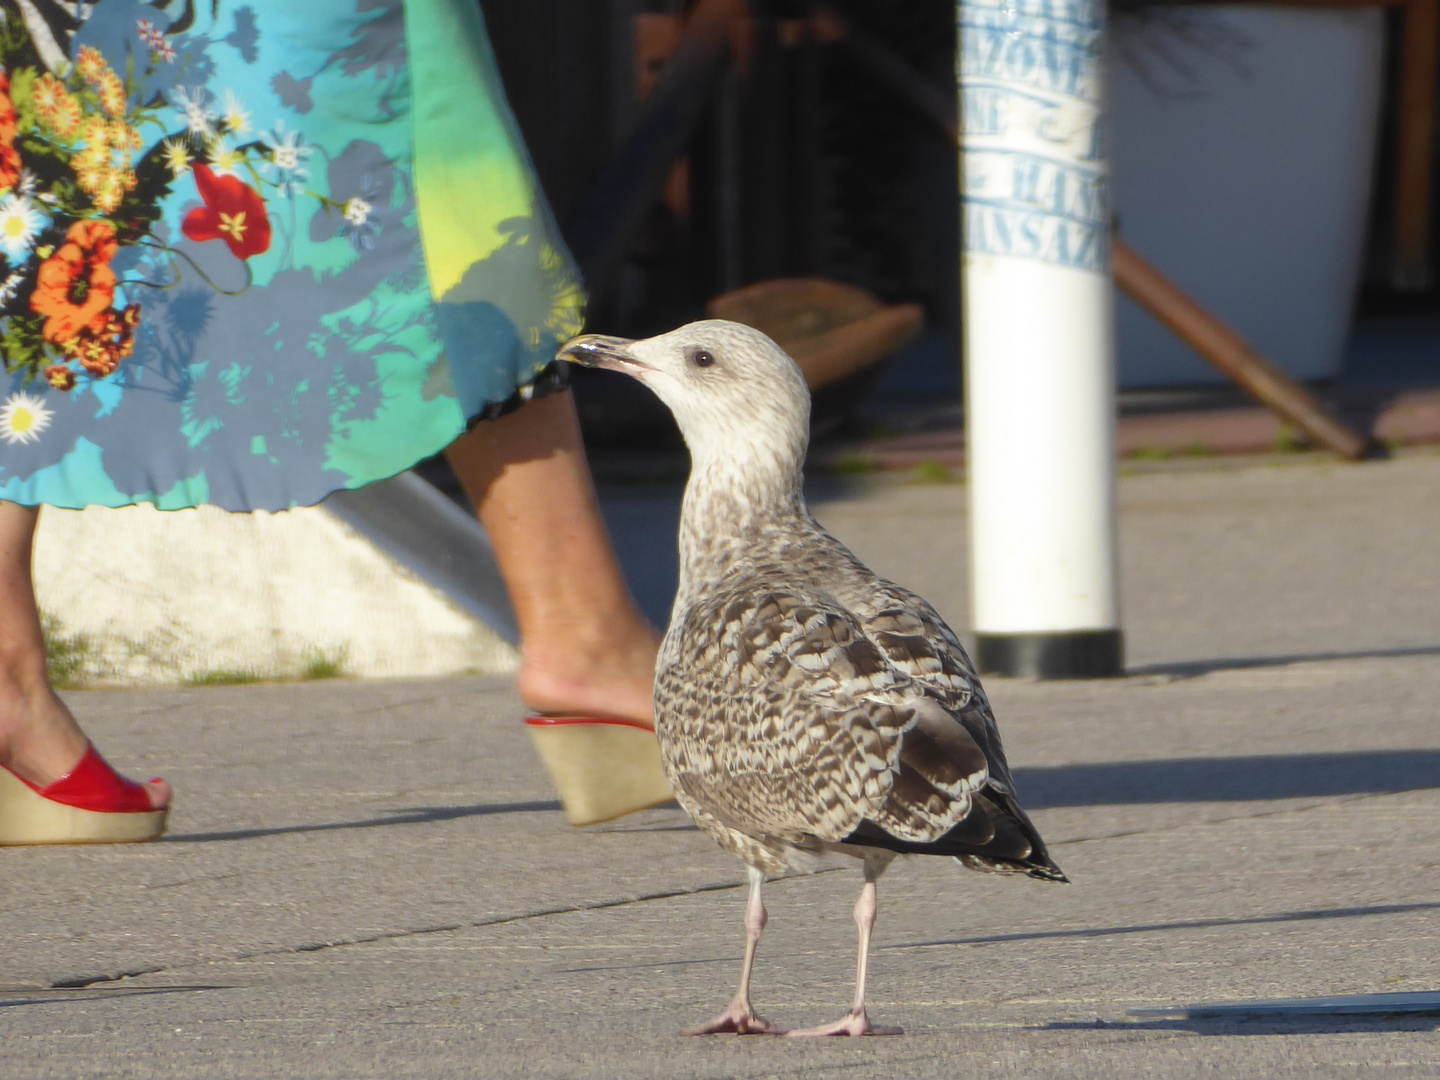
<point>373,880</point>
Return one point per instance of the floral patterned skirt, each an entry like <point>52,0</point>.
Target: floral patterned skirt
<point>258,251</point>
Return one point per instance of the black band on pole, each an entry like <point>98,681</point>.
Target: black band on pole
<point>1077,654</point>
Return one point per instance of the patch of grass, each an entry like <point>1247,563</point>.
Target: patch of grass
<point>223,677</point>
<point>73,660</point>
<point>934,472</point>
<point>852,465</point>
<point>1290,441</point>
<point>318,664</point>
<point>1151,453</point>
<point>1199,449</point>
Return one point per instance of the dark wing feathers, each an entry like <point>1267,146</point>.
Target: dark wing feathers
<point>943,752</point>
<point>955,740</point>
<point>995,836</point>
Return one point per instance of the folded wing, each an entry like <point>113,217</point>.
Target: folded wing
<point>800,724</point>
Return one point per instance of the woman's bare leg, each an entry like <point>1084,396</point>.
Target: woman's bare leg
<point>584,647</point>
<point>39,739</point>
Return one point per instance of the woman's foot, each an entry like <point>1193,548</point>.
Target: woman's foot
<point>599,671</point>
<point>40,741</point>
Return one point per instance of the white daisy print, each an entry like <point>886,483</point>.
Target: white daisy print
<point>237,118</point>
<point>190,101</point>
<point>10,286</point>
<point>23,418</point>
<point>225,160</point>
<point>286,159</point>
<point>20,223</point>
<point>357,211</point>
<point>177,155</point>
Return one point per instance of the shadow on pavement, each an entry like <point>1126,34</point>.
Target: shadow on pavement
<point>1237,779</point>
<point>1228,779</point>
<point>1261,1025</point>
<point>1190,669</point>
<point>419,815</point>
<point>64,996</point>
<point>1312,915</point>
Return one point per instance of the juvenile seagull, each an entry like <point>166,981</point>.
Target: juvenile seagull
<point>802,703</point>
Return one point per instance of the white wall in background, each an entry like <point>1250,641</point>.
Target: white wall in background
<point>168,596</point>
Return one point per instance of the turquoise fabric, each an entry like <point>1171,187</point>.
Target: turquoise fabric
<point>257,252</point>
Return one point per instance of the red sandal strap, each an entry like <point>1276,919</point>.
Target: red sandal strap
<point>94,785</point>
<point>546,720</point>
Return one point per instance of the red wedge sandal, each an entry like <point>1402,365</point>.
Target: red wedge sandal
<point>92,804</point>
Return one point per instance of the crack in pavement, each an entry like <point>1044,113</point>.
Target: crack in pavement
<point>81,981</point>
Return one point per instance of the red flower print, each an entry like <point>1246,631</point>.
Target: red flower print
<point>233,212</point>
<point>9,156</point>
<point>76,285</point>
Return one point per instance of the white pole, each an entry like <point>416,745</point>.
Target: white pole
<point>1038,338</point>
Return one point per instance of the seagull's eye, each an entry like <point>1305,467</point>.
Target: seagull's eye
<point>701,358</point>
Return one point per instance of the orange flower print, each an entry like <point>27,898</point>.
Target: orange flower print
<point>233,212</point>
<point>7,110</point>
<point>76,285</point>
<point>9,156</point>
<point>55,106</point>
<point>90,63</point>
<point>112,93</point>
<point>102,168</point>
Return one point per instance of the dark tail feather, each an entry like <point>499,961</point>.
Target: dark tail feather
<point>1014,847</point>
<point>1038,863</point>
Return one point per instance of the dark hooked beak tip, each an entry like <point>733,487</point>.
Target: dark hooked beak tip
<point>599,351</point>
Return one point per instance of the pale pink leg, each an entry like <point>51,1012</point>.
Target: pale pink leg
<point>739,1017</point>
<point>856,1022</point>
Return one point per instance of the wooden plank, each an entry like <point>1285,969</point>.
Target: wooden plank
<point>1229,352</point>
<point>1415,143</point>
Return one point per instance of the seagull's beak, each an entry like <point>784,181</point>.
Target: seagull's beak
<point>599,351</point>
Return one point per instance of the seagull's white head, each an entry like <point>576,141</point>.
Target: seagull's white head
<point>740,401</point>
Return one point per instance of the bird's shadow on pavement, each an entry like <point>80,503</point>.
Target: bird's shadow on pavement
<point>1305,915</point>
<point>1228,779</point>
<point>60,995</point>
<point>1193,669</point>
<point>1261,1025</point>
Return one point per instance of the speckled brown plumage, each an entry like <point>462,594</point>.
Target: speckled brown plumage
<point>802,703</point>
